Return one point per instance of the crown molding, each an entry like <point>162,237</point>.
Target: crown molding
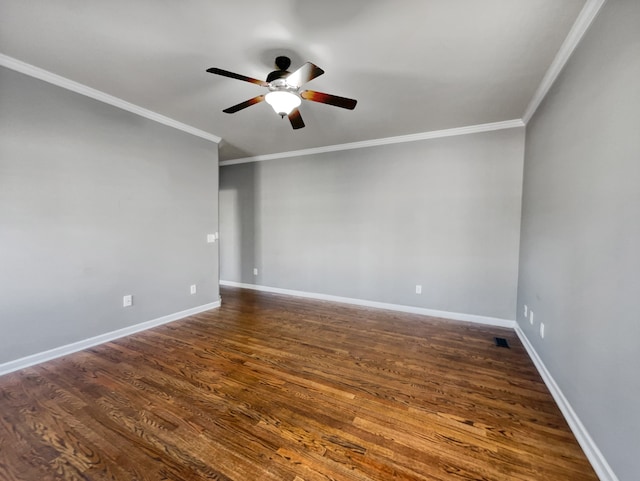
<point>435,134</point>
<point>582,23</point>
<point>45,75</point>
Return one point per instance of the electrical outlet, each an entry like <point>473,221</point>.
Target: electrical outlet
<point>211,238</point>
<point>193,289</point>
<point>418,289</point>
<point>531,317</point>
<point>127,301</point>
<point>526,311</point>
<point>255,271</point>
<point>542,330</point>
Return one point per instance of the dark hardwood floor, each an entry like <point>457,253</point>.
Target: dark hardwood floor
<point>275,388</point>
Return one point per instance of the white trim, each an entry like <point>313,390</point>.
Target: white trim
<point>492,321</point>
<point>595,457</point>
<point>37,72</point>
<point>436,134</point>
<point>27,361</point>
<point>580,26</point>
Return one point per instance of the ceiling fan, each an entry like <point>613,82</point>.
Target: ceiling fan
<point>284,90</point>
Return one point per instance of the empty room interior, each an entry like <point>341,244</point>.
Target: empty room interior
<point>309,241</point>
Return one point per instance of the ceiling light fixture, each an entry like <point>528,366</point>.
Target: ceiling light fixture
<point>282,101</point>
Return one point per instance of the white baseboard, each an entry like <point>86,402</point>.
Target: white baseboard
<point>33,359</point>
<point>595,457</point>
<point>492,321</point>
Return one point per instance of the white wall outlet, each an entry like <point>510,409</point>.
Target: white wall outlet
<point>418,289</point>
<point>211,238</point>
<point>255,271</point>
<point>127,301</point>
<point>542,330</point>
<point>530,316</point>
<point>526,311</point>
<point>193,289</point>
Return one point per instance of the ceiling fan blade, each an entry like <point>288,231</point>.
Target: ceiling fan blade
<point>296,119</point>
<point>237,76</point>
<point>334,100</point>
<point>244,105</point>
<point>304,74</point>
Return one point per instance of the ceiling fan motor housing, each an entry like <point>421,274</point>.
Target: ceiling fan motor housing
<point>277,74</point>
<point>283,64</point>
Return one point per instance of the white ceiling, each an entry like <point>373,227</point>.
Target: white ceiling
<point>413,65</point>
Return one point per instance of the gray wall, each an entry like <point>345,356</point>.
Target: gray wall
<point>580,253</point>
<point>96,203</point>
<point>372,223</point>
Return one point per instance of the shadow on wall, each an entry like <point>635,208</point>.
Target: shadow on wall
<point>239,225</point>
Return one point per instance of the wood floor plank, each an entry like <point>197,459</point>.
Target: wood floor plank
<point>275,388</point>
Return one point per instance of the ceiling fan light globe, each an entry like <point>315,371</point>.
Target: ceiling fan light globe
<point>283,102</point>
